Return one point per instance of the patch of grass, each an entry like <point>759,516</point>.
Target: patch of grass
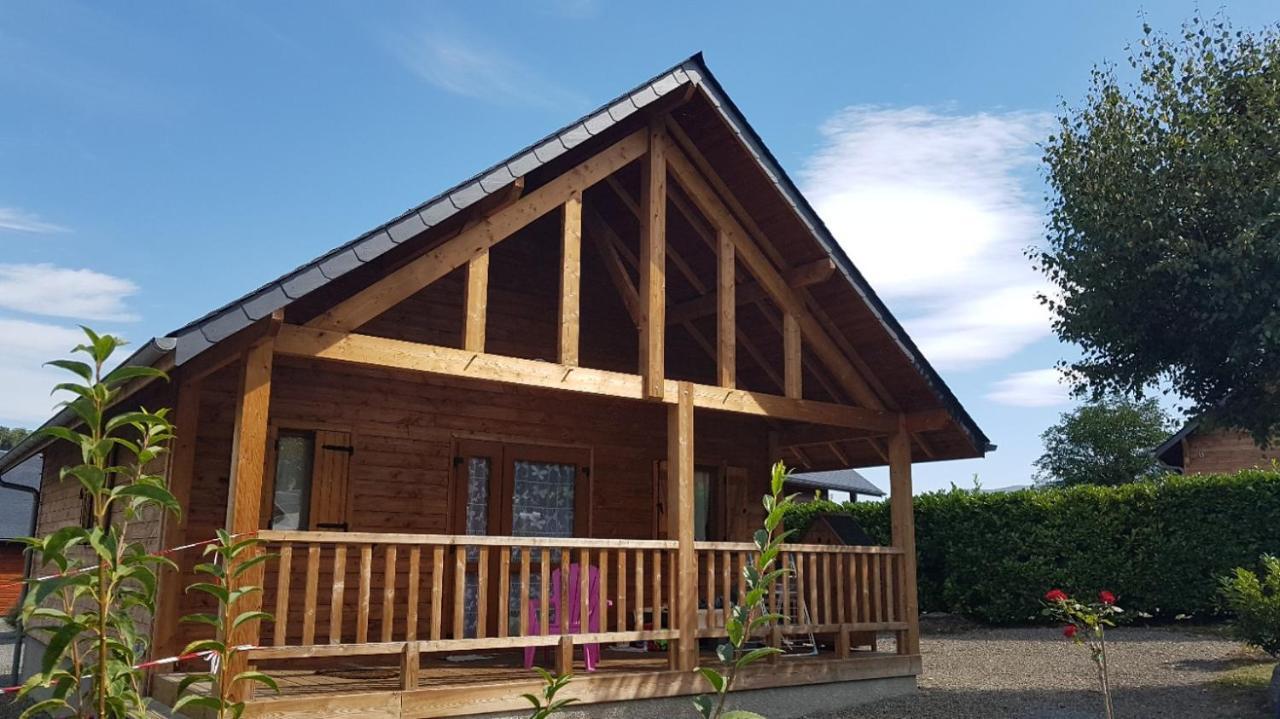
<point>1249,677</point>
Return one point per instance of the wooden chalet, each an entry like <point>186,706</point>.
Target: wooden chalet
<point>1199,448</point>
<point>586,356</point>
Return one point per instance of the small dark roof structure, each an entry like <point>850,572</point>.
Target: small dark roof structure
<point>1169,453</point>
<point>15,506</point>
<point>836,528</point>
<point>843,480</point>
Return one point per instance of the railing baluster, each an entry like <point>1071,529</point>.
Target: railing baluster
<point>459,592</point>
<point>726,574</point>
<point>840,571</point>
<point>282,596</point>
<point>622,590</point>
<point>437,590</point>
<point>603,597</point>
<point>640,607</point>
<point>657,590</point>
<point>709,560</point>
<point>877,613</point>
<point>743,558</point>
<point>366,579</point>
<point>791,578</point>
<point>562,611</point>
<point>828,617</point>
<point>335,596</point>
<point>544,589</point>
<point>411,612</point>
<point>802,576</point>
<point>814,581</point>
<point>504,591</point>
<point>309,599</point>
<point>482,593</point>
<point>389,593</point>
<point>865,586</point>
<point>584,589</point>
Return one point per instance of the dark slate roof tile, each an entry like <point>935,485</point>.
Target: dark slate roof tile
<point>575,136</point>
<point>225,324</point>
<point>468,195</point>
<point>666,84</point>
<point>303,282</point>
<point>549,150</point>
<point>643,96</point>
<point>340,264</point>
<point>524,164</point>
<point>496,180</point>
<point>373,245</point>
<point>622,109</point>
<point>407,227</point>
<point>265,302</point>
<point>435,213</point>
<point>598,123</point>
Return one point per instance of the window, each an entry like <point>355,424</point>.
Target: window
<point>702,504</point>
<point>291,500</point>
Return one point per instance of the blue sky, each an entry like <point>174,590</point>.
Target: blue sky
<point>159,159</point>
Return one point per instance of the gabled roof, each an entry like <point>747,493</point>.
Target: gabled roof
<point>1169,452</point>
<point>195,337</point>
<point>844,480</point>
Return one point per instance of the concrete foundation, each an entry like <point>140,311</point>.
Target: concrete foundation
<point>779,703</point>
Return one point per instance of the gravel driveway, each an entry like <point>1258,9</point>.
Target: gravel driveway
<point>1036,674</point>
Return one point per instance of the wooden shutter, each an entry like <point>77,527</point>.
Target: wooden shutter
<point>660,499</point>
<point>329,476</point>
<point>739,521</point>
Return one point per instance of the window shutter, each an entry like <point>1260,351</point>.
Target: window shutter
<point>660,499</point>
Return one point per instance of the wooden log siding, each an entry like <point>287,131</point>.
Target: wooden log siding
<point>453,606</point>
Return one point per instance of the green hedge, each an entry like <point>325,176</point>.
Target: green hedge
<point>1159,545</point>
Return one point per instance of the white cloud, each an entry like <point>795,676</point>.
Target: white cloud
<point>25,399</point>
<point>45,289</point>
<point>15,220</point>
<point>1033,388</point>
<point>935,209</point>
<point>473,68</point>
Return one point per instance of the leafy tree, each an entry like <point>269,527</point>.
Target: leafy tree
<point>1107,441</point>
<point>11,436</point>
<point>1164,230</point>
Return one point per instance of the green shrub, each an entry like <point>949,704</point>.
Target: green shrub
<point>1160,545</point>
<point>1256,605</point>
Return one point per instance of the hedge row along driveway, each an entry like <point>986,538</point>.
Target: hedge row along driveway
<point>1160,545</point>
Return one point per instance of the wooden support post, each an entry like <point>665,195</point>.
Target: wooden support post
<point>244,492</point>
<point>793,368</point>
<point>477,302</point>
<point>570,279</point>
<point>564,655</point>
<point>653,263</point>
<point>409,666</point>
<point>901,511</point>
<point>775,641</point>
<point>680,498</point>
<point>181,468</point>
<point>726,319</point>
<point>843,640</point>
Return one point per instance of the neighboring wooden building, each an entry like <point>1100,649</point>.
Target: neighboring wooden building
<point>589,354</point>
<point>1196,449</point>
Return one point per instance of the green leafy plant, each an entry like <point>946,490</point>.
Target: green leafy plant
<point>90,610</point>
<point>750,615</point>
<point>547,704</point>
<point>989,556</point>
<point>1087,624</point>
<point>1255,602</point>
<point>232,559</point>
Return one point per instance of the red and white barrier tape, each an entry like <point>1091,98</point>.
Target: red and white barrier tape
<point>208,656</point>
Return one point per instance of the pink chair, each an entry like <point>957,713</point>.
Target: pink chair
<point>590,652</point>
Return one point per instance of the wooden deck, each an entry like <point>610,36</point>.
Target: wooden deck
<point>495,682</point>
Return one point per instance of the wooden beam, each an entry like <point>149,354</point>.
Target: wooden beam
<point>902,514</point>
<point>726,319</point>
<point>692,182</point>
<point>653,263</point>
<point>477,303</point>
<point>916,422</point>
<point>244,491</point>
<point>598,231</point>
<point>181,469</point>
<point>680,497</point>
<point>367,350</point>
<point>793,369</point>
<point>749,292</point>
<point>570,279</point>
<point>430,266</point>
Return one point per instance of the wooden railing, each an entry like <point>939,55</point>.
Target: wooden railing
<point>457,592</point>
<point>367,594</point>
<point>851,591</point>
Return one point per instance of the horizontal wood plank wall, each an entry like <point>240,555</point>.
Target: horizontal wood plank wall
<point>402,430</point>
<point>1224,451</point>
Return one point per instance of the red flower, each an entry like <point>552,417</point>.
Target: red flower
<point>1069,631</point>
<point>1056,595</point>
<point>1106,597</point>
